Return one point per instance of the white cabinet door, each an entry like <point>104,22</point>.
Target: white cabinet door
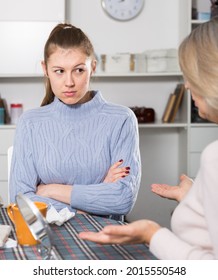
<point>200,137</point>
<point>6,139</point>
<point>4,168</point>
<point>32,10</point>
<point>24,28</point>
<point>21,48</point>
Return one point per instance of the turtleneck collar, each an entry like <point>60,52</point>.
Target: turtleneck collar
<point>78,111</point>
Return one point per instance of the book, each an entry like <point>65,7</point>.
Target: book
<point>3,104</point>
<point>169,107</point>
<point>179,92</point>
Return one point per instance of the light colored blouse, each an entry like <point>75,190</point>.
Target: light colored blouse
<point>194,222</point>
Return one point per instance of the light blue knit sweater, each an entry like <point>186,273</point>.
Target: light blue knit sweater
<point>76,145</point>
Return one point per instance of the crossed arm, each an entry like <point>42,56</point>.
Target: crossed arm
<point>63,192</point>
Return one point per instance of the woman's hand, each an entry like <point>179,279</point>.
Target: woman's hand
<point>115,172</point>
<point>134,233</point>
<point>173,192</point>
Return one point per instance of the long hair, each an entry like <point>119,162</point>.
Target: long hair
<point>65,36</point>
<point>198,58</point>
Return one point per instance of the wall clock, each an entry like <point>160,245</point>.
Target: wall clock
<point>123,9</point>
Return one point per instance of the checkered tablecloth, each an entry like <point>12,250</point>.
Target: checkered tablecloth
<point>68,246</point>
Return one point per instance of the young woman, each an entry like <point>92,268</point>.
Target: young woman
<point>194,221</point>
<point>77,150</point>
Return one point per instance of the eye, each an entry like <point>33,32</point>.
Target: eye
<point>59,71</point>
<point>79,70</point>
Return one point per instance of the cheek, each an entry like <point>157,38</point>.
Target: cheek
<point>203,108</point>
<point>84,82</point>
<point>55,84</point>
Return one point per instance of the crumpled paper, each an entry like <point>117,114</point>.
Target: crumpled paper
<point>10,243</point>
<point>5,231</point>
<point>58,218</point>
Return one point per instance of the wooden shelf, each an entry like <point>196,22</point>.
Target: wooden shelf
<point>133,74</point>
<point>163,125</point>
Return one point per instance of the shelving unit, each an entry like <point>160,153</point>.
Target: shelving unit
<point>163,145</point>
<point>134,74</point>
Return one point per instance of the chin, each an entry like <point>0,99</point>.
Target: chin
<point>69,101</point>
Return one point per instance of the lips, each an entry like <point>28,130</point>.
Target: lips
<point>69,93</point>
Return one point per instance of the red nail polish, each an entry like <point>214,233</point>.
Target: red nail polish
<point>120,160</point>
<point>127,168</point>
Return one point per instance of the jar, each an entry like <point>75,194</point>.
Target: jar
<point>2,115</point>
<point>16,111</point>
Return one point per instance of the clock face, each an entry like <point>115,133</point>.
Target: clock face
<point>123,9</point>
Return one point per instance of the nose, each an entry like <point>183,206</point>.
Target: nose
<point>69,82</point>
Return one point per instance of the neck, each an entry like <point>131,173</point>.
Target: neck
<point>88,96</point>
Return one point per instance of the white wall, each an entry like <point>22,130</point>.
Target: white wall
<point>156,27</point>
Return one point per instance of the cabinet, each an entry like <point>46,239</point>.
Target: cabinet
<point>163,146</point>
<point>23,31</point>
<point>30,10</point>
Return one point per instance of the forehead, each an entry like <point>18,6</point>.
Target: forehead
<point>58,51</point>
<point>61,55</point>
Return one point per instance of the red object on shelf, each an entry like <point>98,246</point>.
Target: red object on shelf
<point>16,111</point>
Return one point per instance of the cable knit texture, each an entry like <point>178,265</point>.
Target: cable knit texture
<point>76,145</point>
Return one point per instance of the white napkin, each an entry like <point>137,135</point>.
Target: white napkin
<point>10,243</point>
<point>58,218</point>
<point>4,233</point>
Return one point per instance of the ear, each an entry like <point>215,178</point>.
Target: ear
<point>93,65</point>
<point>44,68</point>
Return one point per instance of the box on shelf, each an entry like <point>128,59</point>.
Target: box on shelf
<point>163,60</point>
<point>140,65</point>
<point>172,60</point>
<point>119,63</point>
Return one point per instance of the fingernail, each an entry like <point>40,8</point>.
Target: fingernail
<point>120,160</point>
<point>123,176</point>
<point>127,172</point>
<point>127,168</point>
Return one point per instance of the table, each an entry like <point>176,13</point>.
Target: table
<point>68,246</point>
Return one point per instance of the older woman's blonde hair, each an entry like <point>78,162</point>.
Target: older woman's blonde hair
<point>198,58</point>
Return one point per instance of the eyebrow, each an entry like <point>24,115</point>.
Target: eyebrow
<point>80,64</point>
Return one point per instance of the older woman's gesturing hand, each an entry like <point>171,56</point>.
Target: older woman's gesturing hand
<point>134,233</point>
<point>173,192</point>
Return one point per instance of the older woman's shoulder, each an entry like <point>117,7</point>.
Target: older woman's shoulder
<point>210,153</point>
